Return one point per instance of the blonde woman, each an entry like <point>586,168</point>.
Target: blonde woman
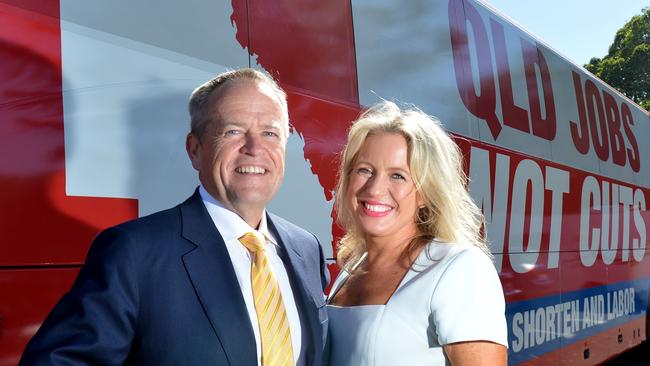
<point>417,285</point>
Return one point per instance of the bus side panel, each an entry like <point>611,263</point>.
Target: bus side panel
<point>556,163</point>
<point>28,295</point>
<point>565,287</point>
<point>41,224</point>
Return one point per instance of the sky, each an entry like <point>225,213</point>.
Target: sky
<point>577,29</point>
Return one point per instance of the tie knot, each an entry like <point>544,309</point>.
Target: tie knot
<point>253,241</point>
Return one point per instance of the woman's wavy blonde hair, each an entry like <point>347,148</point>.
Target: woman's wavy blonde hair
<point>449,214</point>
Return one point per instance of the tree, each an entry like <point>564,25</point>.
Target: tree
<point>627,65</point>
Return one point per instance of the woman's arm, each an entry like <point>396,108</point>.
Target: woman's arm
<point>476,353</point>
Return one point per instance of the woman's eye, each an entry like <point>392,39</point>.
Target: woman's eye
<point>398,176</point>
<point>364,171</point>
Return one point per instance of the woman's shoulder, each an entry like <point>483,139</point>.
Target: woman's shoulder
<point>455,266</point>
<point>450,253</point>
<point>466,270</point>
<point>468,300</point>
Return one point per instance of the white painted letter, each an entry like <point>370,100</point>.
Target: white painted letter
<point>517,343</point>
<point>590,191</point>
<point>626,202</point>
<point>607,250</point>
<point>527,171</point>
<point>557,181</point>
<point>639,244</point>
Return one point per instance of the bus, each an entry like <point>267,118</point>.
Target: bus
<point>93,119</point>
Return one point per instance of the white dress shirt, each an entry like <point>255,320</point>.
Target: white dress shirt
<point>231,227</point>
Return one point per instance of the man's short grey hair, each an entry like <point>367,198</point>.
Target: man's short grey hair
<point>198,105</point>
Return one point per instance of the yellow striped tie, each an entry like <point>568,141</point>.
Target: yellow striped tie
<point>271,315</point>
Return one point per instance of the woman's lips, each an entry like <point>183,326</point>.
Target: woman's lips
<point>376,209</point>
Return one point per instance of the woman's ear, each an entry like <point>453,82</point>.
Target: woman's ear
<point>419,200</point>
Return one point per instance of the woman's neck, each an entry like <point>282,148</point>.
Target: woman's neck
<point>383,252</point>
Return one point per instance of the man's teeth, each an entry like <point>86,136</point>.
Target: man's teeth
<point>377,208</point>
<point>251,170</point>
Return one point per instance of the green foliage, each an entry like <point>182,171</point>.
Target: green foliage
<point>627,65</point>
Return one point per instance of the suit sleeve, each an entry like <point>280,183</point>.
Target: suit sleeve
<point>324,272</point>
<point>93,324</point>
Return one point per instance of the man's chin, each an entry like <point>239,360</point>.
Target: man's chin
<point>253,198</point>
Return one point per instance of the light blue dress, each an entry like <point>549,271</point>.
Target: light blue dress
<point>452,293</point>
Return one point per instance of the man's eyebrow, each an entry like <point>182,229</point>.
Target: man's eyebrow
<point>225,124</point>
<point>273,126</point>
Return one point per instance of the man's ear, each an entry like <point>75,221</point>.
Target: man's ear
<point>193,148</point>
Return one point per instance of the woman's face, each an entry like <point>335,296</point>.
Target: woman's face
<point>381,193</point>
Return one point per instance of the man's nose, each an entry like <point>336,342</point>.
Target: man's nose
<point>252,144</point>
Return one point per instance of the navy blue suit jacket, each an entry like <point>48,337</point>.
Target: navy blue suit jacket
<point>161,290</point>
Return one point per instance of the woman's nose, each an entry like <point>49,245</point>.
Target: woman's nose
<point>376,185</point>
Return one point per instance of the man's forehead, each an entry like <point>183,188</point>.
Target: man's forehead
<point>234,95</point>
<point>224,122</point>
<point>235,88</point>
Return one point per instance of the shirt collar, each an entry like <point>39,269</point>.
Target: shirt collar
<point>230,224</point>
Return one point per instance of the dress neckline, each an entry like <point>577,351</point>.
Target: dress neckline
<point>360,307</point>
<point>344,274</point>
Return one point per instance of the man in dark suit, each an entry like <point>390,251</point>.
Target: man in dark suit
<point>175,287</point>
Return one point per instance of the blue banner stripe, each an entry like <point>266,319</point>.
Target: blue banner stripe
<point>545,324</point>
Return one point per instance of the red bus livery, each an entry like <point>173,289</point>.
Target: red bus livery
<point>94,119</point>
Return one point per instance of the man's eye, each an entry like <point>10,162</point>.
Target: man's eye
<point>270,134</point>
<point>231,132</point>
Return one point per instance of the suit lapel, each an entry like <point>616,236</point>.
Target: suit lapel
<point>214,280</point>
<point>297,268</point>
